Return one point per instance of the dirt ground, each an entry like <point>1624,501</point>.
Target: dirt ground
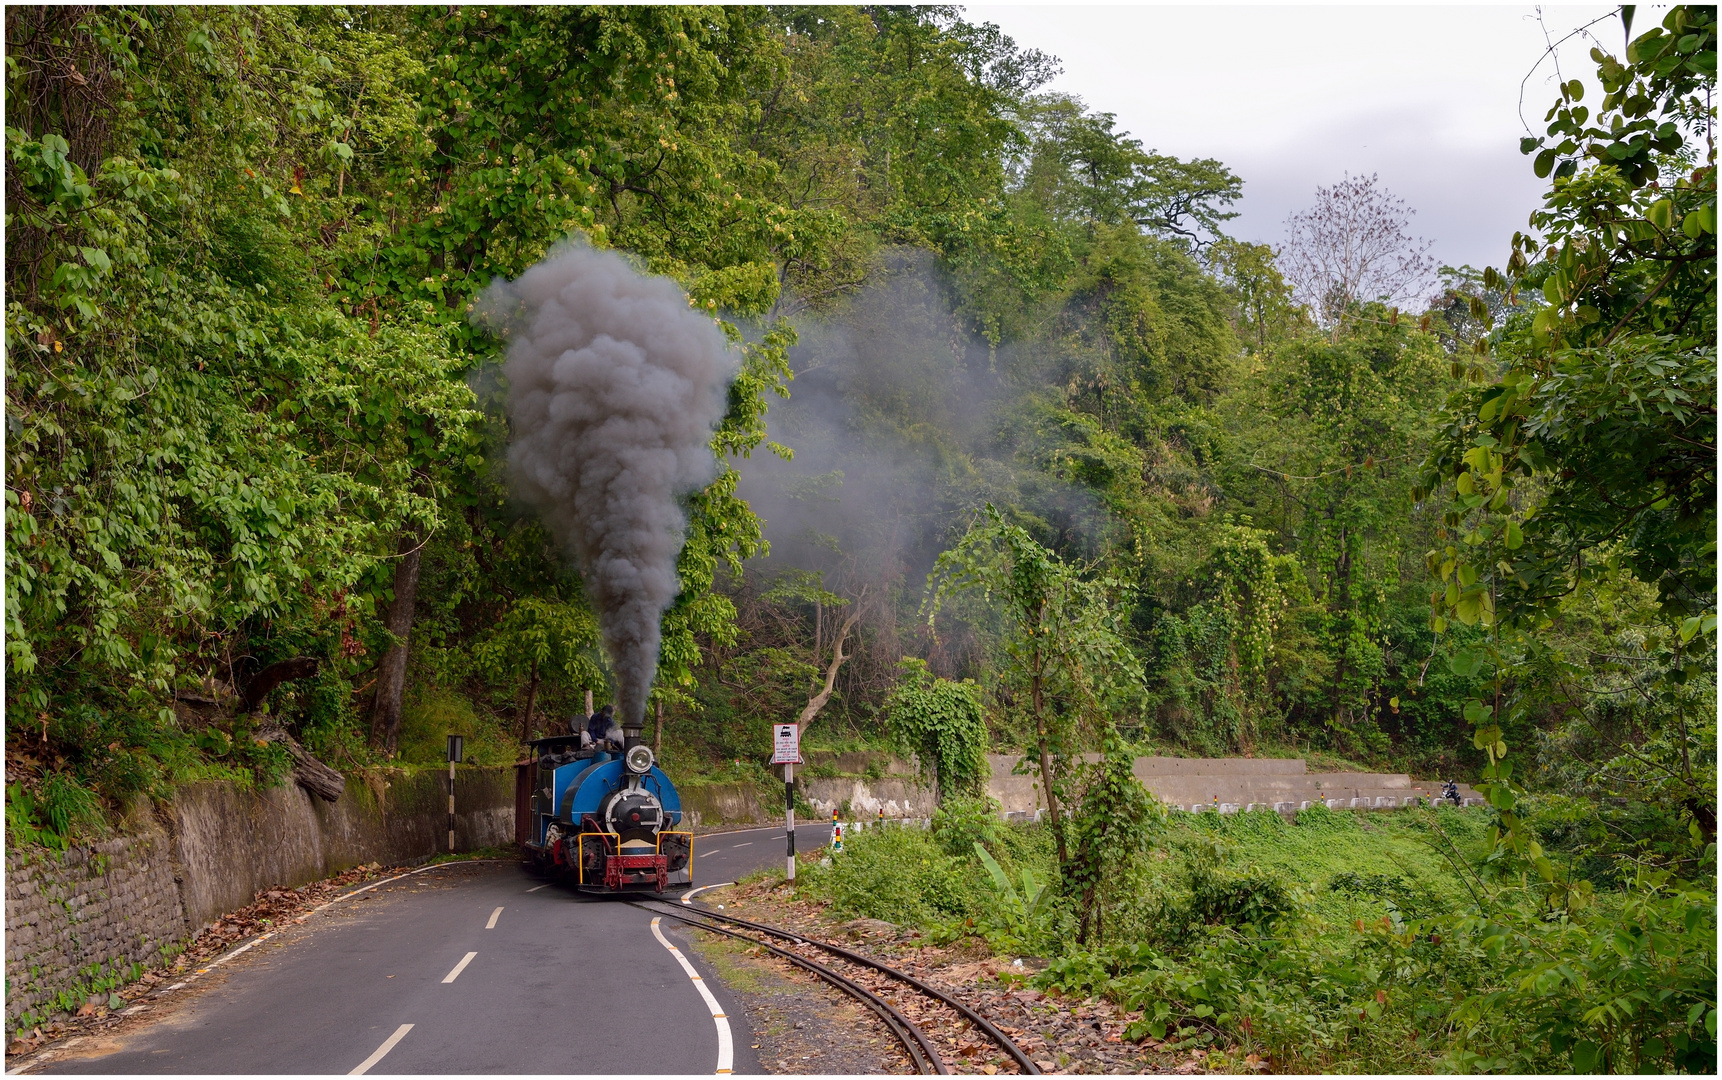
<point>796,1021</point>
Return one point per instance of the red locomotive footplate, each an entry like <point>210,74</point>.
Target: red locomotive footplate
<point>631,869</point>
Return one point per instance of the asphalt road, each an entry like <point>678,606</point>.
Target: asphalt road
<point>727,856</point>
<point>556,982</point>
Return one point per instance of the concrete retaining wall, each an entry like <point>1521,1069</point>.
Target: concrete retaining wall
<point>898,796</point>
<point>75,919</point>
<point>712,805</point>
<point>716,805</point>
<point>1199,782</point>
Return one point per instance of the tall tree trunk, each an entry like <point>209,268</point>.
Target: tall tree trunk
<point>658,732</point>
<point>392,672</point>
<point>817,701</point>
<point>531,700</point>
<point>1038,701</point>
<point>588,701</point>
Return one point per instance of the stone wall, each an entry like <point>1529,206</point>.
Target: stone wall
<point>77,921</point>
<point>231,843</point>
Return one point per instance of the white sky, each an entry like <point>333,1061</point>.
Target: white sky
<point>1293,97</point>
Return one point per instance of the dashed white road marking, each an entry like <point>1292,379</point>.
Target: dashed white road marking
<point>726,1045</point>
<point>688,897</point>
<point>382,1051</point>
<point>53,1052</point>
<point>458,968</point>
<point>748,844</point>
<point>535,888</point>
<point>491,925</point>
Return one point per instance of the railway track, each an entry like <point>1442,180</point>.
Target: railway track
<point>890,993</point>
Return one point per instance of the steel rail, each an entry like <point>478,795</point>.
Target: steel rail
<point>975,1018</point>
<point>922,1053</point>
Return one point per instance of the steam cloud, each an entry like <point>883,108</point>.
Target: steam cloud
<point>884,391</point>
<point>614,388</point>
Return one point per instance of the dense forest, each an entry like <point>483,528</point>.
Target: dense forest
<point>1026,452</point>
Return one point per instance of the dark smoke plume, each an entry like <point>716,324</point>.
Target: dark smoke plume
<point>614,388</point>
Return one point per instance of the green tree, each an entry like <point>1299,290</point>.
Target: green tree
<point>208,457</point>
<point>1061,646</point>
<point>1584,441</point>
<point>539,637</point>
<point>1333,477</point>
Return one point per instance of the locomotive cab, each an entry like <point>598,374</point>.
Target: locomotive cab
<point>607,820</point>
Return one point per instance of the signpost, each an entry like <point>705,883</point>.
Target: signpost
<point>786,751</point>
<point>456,751</point>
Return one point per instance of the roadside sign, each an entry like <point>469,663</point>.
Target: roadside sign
<point>786,744</point>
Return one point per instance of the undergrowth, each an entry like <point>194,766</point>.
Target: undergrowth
<point>1338,942</point>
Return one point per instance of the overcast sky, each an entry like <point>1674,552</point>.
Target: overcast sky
<point>1293,97</point>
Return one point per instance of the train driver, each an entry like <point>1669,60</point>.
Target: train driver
<point>602,732</point>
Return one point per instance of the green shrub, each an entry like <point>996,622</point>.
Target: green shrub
<point>1403,897</point>
<point>1247,897</point>
<point>53,813</point>
<point>962,821</point>
<point>900,875</point>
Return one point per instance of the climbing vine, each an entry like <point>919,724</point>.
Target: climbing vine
<point>944,722</point>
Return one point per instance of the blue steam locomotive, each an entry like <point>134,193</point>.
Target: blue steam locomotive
<point>605,819</point>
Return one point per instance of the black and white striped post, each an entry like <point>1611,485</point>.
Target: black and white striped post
<point>786,751</point>
<point>456,751</point>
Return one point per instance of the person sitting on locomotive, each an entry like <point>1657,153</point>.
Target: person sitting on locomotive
<point>602,732</point>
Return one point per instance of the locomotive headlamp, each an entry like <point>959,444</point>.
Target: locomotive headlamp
<point>638,759</point>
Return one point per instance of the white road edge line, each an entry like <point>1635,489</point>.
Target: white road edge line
<point>688,897</point>
<point>458,968</point>
<point>491,925</point>
<point>382,1051</point>
<point>52,1052</point>
<point>726,1045</point>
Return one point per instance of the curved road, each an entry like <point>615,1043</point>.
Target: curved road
<point>465,968</point>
